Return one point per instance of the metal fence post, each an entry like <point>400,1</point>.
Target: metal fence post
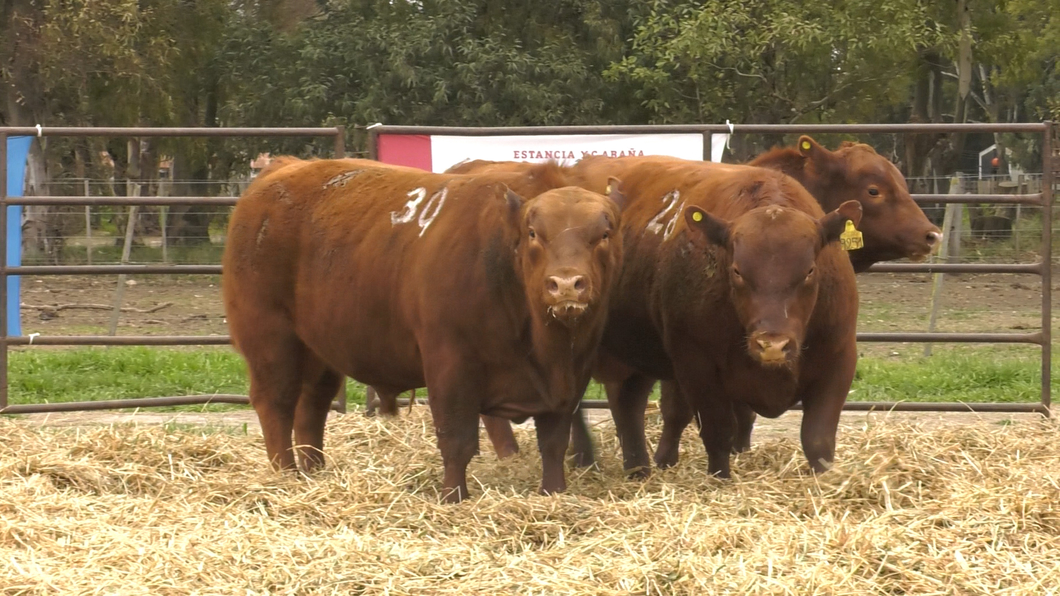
<point>1049,163</point>
<point>373,142</point>
<point>340,142</point>
<point>339,405</point>
<point>3,270</point>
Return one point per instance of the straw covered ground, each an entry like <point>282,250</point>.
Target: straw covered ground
<point>129,509</point>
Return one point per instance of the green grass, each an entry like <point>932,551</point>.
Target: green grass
<point>199,254</point>
<point>91,374</point>
<point>95,374</point>
<point>966,376</point>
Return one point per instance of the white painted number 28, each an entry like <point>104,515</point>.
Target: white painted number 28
<point>429,212</point>
<point>656,225</point>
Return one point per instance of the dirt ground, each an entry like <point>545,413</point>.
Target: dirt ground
<point>786,426</point>
<point>191,305</point>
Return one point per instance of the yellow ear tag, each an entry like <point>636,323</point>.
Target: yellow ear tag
<point>806,145</point>
<point>851,238</point>
<point>697,216</point>
<point>608,190</point>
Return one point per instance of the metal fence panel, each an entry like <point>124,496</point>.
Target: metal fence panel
<point>1042,267</point>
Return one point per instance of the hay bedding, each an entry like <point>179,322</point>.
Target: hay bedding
<point>156,510</point>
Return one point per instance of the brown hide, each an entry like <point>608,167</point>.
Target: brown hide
<point>894,226</point>
<point>892,223</point>
<point>680,312</point>
<point>278,163</point>
<point>483,166</point>
<point>400,279</point>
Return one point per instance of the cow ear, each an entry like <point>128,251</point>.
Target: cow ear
<point>834,224</point>
<point>701,223</point>
<point>514,203</point>
<point>614,192</point>
<point>810,149</point>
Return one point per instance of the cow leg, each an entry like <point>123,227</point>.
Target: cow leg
<point>628,401</point>
<point>499,430</point>
<point>386,402</point>
<point>745,423</point>
<point>455,400</point>
<point>311,414</point>
<point>717,431</point>
<point>553,438</point>
<point>581,441</point>
<point>275,384</point>
<point>676,416</point>
<point>458,442</point>
<point>371,401</point>
<point>457,433</point>
<point>822,403</point>
<point>698,383</point>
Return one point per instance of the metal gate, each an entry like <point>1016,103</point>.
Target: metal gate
<point>1041,338</point>
<point>338,133</point>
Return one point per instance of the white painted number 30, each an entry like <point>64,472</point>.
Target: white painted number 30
<point>429,212</point>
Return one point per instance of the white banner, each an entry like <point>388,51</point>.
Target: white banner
<point>447,151</point>
<point>718,143</point>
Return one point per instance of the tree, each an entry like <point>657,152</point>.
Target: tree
<point>432,62</point>
<point>773,61</point>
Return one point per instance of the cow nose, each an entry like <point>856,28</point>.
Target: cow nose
<point>934,237</point>
<point>569,288</point>
<point>771,349</point>
<point>773,344</point>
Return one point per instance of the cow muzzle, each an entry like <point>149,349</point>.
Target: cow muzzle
<point>568,296</point>
<point>923,248</point>
<point>772,349</point>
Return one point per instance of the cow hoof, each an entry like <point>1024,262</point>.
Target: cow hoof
<point>639,473</point>
<point>451,496</point>
<point>666,459</point>
<point>583,460</point>
<point>507,452</point>
<point>550,491</point>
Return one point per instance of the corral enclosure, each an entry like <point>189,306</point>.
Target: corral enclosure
<point>890,302</point>
<point>912,507</point>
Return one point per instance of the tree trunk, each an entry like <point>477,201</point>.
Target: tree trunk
<point>926,93</point>
<point>951,158</point>
<point>24,106</point>
<point>188,225</point>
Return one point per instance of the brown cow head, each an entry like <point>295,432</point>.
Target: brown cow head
<point>772,271</point>
<point>893,225</point>
<point>570,249</point>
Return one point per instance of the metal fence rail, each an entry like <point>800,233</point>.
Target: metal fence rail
<point>1041,267</point>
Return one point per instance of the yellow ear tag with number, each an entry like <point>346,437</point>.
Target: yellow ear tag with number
<point>697,216</point>
<point>851,238</point>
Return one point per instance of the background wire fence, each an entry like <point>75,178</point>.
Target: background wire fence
<point>62,235</point>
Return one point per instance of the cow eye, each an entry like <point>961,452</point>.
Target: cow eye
<point>810,272</point>
<point>873,191</point>
<point>533,234</point>
<point>736,272</point>
<point>605,236</point>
